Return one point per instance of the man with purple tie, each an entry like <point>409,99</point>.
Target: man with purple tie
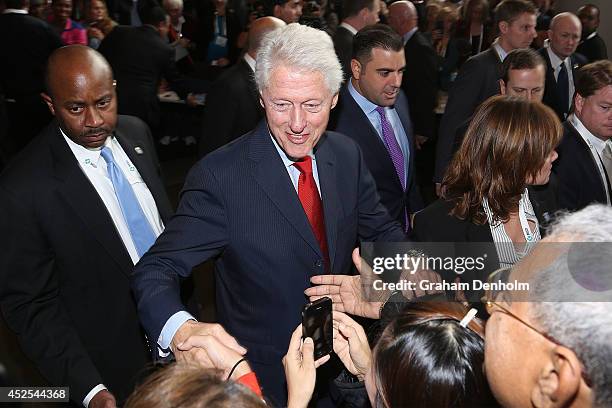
<point>373,111</point>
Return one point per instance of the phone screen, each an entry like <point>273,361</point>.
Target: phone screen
<point>317,324</point>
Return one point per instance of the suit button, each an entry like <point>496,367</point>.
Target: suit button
<point>318,263</point>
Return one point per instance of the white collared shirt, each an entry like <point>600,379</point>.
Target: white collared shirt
<point>349,27</point>
<point>294,173</point>
<point>555,61</point>
<point>249,60</point>
<point>501,53</point>
<point>14,11</point>
<point>94,167</point>
<point>596,145</point>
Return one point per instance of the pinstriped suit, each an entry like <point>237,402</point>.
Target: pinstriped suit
<point>239,205</point>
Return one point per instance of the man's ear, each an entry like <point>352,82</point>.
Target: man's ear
<point>355,69</point>
<point>48,101</point>
<point>502,87</point>
<point>578,103</point>
<point>503,27</point>
<point>559,380</point>
<point>276,11</point>
<point>334,101</point>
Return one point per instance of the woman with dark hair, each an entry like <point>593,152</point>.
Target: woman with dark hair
<point>474,28</point>
<point>430,355</point>
<point>490,191</point>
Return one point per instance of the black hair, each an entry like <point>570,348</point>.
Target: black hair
<point>522,58</point>
<point>375,36</point>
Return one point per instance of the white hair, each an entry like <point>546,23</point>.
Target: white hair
<point>298,46</point>
<point>579,318</point>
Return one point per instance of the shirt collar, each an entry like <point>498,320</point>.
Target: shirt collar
<point>14,11</point>
<point>589,137</point>
<point>286,160</point>
<point>501,53</point>
<point>249,60</point>
<point>409,34</point>
<point>366,106</point>
<point>349,27</point>
<point>84,155</point>
<point>593,34</point>
<point>555,61</point>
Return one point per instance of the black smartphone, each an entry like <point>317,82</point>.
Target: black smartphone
<point>318,325</point>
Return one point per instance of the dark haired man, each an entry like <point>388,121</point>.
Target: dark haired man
<point>373,111</point>
<point>592,46</point>
<point>289,11</point>
<point>357,15</point>
<point>479,76</point>
<point>80,206</point>
<point>25,44</point>
<point>140,58</point>
<point>584,166</point>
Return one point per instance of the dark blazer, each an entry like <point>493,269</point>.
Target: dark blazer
<point>352,122</point>
<point>551,92</point>
<point>420,83</point>
<point>478,80</point>
<point>232,108</point>
<point>343,44</point>
<point>580,182</point>
<point>140,59</point>
<point>239,205</point>
<point>64,268</point>
<point>464,238</point>
<point>593,49</point>
<point>25,44</point>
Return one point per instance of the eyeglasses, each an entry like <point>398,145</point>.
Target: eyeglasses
<point>490,301</point>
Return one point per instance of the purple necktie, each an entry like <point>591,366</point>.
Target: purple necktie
<point>393,147</point>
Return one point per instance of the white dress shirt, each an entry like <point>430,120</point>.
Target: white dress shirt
<point>596,145</point>
<point>555,61</point>
<point>94,167</point>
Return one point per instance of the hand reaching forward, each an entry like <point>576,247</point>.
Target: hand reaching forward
<point>346,291</point>
<point>301,369</point>
<point>190,351</point>
<point>351,345</point>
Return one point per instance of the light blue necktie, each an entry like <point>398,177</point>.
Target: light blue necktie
<point>140,229</point>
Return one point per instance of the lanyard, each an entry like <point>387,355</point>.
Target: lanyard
<point>529,236</point>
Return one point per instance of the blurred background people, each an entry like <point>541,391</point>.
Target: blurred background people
<point>69,30</point>
<point>592,46</point>
<point>99,24</point>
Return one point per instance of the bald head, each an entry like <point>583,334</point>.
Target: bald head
<point>564,34</point>
<point>74,61</point>
<point>81,95</point>
<point>259,28</point>
<point>589,17</point>
<point>402,17</point>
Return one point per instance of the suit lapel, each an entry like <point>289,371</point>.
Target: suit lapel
<point>269,173</point>
<point>138,154</point>
<point>329,193</point>
<point>82,197</point>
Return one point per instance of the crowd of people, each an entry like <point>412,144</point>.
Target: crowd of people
<point>317,119</point>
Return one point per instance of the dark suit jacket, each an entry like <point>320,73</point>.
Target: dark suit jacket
<point>551,92</point>
<point>464,238</point>
<point>232,108</point>
<point>25,44</point>
<point>477,81</point>
<point>239,205</point>
<point>580,182</point>
<point>343,44</point>
<point>420,83</point>
<point>140,58</point>
<point>64,270</point>
<point>352,122</point>
<point>593,49</point>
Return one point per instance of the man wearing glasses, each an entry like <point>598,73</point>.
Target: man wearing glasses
<point>554,351</point>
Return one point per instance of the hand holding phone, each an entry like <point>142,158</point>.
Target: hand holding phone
<point>317,323</point>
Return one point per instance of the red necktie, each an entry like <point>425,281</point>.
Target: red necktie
<point>309,197</point>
